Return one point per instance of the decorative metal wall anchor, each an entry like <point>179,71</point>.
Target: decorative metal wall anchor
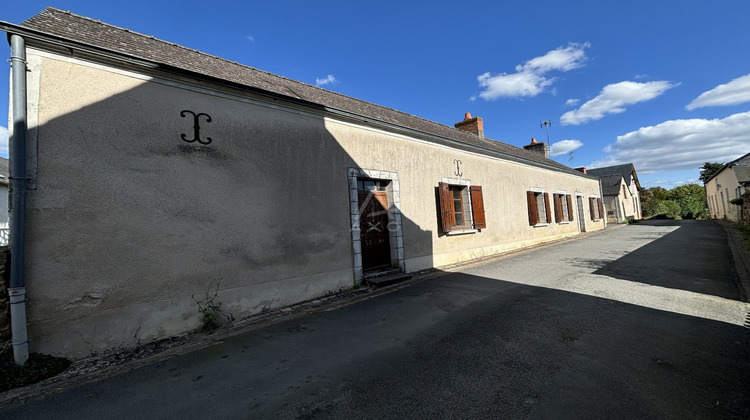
<point>196,127</point>
<point>458,167</point>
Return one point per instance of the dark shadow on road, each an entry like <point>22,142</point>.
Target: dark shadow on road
<point>663,262</point>
<point>454,346</point>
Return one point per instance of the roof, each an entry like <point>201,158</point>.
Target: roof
<point>57,25</point>
<point>611,184</point>
<point>626,171</point>
<point>741,167</point>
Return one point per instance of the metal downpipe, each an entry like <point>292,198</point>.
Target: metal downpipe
<point>17,290</point>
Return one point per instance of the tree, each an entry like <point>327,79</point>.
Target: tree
<point>709,169</point>
<point>651,199</point>
<point>669,209</point>
<point>692,200</point>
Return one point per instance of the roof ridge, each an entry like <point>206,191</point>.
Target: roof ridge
<point>57,22</point>
<point>193,50</point>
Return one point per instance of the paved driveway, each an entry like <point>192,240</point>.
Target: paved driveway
<point>637,322</point>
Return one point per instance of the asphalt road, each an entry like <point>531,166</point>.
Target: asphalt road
<point>636,322</point>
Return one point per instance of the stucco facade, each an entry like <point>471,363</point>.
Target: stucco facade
<point>621,190</point>
<point>130,216</point>
<point>726,185</point>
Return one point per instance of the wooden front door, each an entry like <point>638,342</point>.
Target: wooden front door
<point>373,227</point>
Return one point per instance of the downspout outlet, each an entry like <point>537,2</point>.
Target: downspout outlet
<point>20,340</point>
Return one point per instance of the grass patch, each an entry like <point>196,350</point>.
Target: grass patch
<point>36,369</point>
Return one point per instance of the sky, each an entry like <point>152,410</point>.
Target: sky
<point>662,84</point>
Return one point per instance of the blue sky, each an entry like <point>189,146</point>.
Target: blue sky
<point>662,84</point>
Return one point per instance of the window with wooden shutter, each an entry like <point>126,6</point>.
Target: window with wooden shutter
<point>570,207</point>
<point>547,211</point>
<point>533,208</point>
<point>446,207</point>
<point>558,208</point>
<point>477,207</point>
<point>596,208</point>
<point>540,211</point>
<point>461,207</point>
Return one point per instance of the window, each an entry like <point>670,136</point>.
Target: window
<point>563,206</point>
<point>371,184</point>
<point>595,207</point>
<point>461,207</point>
<point>539,210</point>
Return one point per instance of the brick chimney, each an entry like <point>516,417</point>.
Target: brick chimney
<point>581,169</point>
<point>472,125</point>
<point>537,147</point>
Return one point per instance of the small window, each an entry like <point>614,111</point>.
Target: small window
<point>595,208</point>
<point>461,207</point>
<point>371,185</point>
<point>563,206</point>
<point>539,209</point>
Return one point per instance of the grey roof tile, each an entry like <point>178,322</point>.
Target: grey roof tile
<point>94,33</point>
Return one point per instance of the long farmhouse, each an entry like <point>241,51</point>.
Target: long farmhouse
<point>152,170</point>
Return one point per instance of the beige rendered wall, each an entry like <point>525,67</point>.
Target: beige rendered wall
<point>128,222</point>
<point>719,191</point>
<point>421,166</point>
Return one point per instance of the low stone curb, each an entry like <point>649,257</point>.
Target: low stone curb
<point>740,257</point>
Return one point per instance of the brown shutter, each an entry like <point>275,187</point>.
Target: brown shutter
<point>547,210</point>
<point>533,211</point>
<point>570,207</point>
<point>558,208</point>
<point>601,208</point>
<point>591,209</point>
<point>447,215</point>
<point>477,207</point>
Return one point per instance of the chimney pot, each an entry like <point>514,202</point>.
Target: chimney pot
<point>471,124</point>
<point>537,147</point>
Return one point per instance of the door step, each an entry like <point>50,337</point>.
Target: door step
<point>381,281</point>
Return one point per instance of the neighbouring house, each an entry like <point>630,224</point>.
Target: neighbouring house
<point>154,170</point>
<point>730,183</point>
<point>621,191</point>
<point>3,201</point>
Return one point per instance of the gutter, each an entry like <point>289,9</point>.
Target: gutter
<point>17,289</point>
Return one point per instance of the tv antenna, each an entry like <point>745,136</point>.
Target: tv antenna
<point>546,125</point>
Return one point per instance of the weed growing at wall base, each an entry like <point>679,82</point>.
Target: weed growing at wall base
<point>209,307</point>
<point>36,369</point>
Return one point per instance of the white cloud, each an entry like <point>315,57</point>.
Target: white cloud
<point>3,141</point>
<point>613,98</point>
<point>564,146</point>
<point>572,102</point>
<point>735,92</point>
<point>680,144</point>
<point>530,77</point>
<point>328,80</point>
<point>250,38</point>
